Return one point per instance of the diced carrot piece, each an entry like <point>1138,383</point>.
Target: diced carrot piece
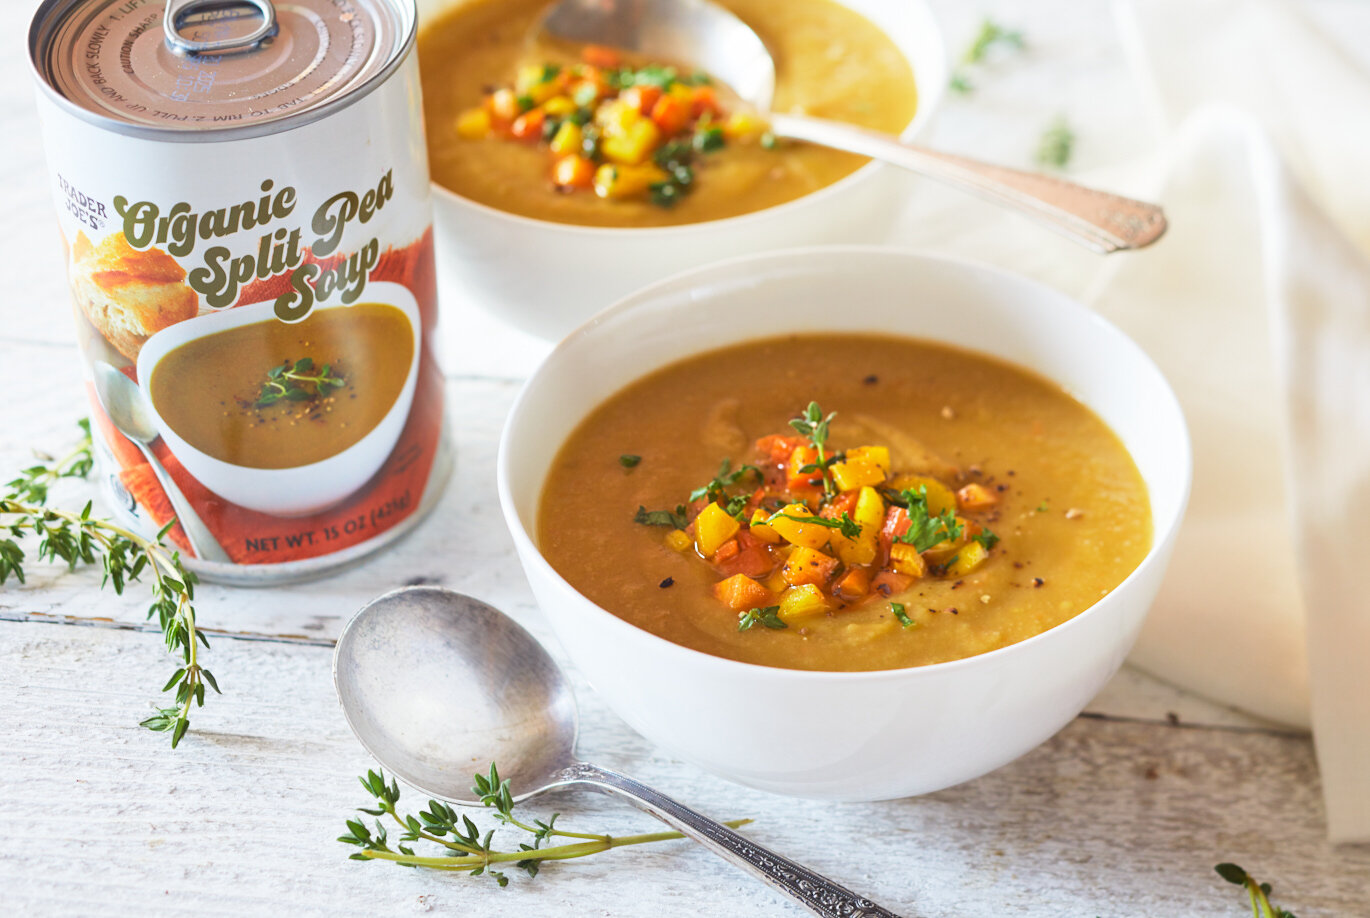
<point>703,100</point>
<point>727,551</point>
<point>796,480</point>
<point>573,172</point>
<point>754,558</point>
<point>890,583</point>
<point>896,524</point>
<point>808,565</point>
<point>528,126</point>
<point>600,56</point>
<point>670,114</point>
<point>504,104</point>
<point>852,585</point>
<point>976,496</point>
<point>740,593</point>
<point>642,98</point>
<point>842,503</point>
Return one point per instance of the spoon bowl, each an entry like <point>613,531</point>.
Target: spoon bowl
<point>701,34</point>
<point>438,685</point>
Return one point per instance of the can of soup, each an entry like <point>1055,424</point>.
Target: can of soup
<point>242,192</point>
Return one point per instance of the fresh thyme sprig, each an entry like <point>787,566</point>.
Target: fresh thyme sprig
<point>1057,144</point>
<point>725,479</point>
<point>289,381</point>
<point>814,425</point>
<point>78,538</point>
<point>991,35</point>
<point>849,527</point>
<point>461,845</point>
<point>1259,893</point>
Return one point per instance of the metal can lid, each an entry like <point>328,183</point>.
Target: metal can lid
<point>208,65</point>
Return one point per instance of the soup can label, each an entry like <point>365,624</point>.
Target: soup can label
<point>250,256</point>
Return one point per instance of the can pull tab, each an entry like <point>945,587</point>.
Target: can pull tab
<point>173,19</point>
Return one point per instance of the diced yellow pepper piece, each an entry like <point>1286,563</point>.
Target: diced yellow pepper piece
<point>616,117</point>
<point>559,106</point>
<point>870,516</point>
<point>808,565</point>
<point>678,540</point>
<point>804,601</point>
<point>906,560</point>
<point>713,527</point>
<point>760,529</point>
<point>743,126</point>
<point>870,511</point>
<point>971,556</point>
<point>634,145</point>
<point>613,181</point>
<point>879,455</point>
<point>776,582</point>
<point>473,124</point>
<point>795,532</point>
<point>851,474</point>
<point>528,76</point>
<point>940,498</point>
<point>566,140</point>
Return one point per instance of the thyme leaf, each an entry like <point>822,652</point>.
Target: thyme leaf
<point>846,525</point>
<point>1258,893</point>
<point>1057,144</point>
<point>769,617</point>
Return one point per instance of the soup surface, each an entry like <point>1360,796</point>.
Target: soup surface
<point>273,395</point>
<point>830,62</point>
<point>1070,509</point>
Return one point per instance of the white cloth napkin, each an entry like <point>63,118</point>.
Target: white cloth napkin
<point>1267,340</point>
<point>1256,305</point>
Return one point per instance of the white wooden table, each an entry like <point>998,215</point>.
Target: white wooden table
<point>1124,813</point>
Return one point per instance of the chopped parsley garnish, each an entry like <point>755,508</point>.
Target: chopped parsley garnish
<point>926,530</point>
<point>769,616</point>
<point>677,520</point>
<point>1057,144</point>
<point>986,539</point>
<point>628,460</point>
<point>898,609</point>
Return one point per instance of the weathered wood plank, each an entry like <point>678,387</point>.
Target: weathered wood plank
<point>1107,818</point>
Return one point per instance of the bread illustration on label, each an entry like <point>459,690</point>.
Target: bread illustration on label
<point>129,295</point>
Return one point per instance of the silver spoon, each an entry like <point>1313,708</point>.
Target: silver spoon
<point>699,33</point>
<point>438,685</point>
<point>123,402</point>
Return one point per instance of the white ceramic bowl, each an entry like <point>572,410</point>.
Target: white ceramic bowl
<point>546,278</point>
<point>865,735</point>
<point>303,489</point>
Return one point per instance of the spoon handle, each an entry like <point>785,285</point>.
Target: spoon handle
<point>1101,221</point>
<point>202,541</point>
<point>815,892</point>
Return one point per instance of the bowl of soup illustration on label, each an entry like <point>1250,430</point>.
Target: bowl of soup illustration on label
<point>286,418</point>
